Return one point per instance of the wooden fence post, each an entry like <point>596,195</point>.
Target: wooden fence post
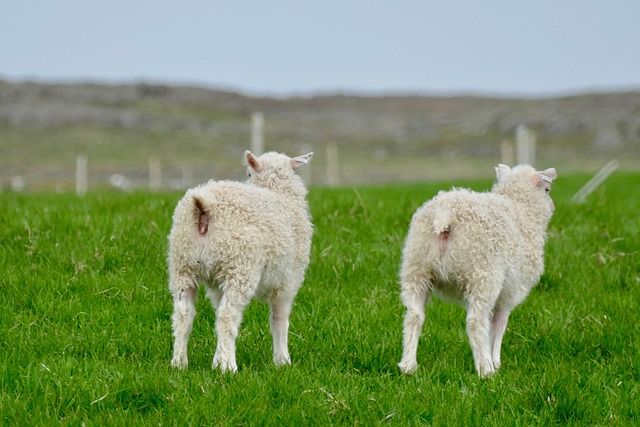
<point>506,153</point>
<point>155,173</point>
<point>333,168</point>
<point>186,177</point>
<point>257,133</point>
<point>525,146</point>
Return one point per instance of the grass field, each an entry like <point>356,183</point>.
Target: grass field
<point>86,332</point>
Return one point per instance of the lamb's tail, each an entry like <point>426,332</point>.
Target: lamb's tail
<point>201,214</point>
<point>442,228</point>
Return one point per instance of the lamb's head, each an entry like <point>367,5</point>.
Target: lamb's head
<point>276,171</point>
<point>527,185</point>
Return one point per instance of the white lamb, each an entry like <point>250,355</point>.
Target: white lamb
<point>482,250</point>
<point>243,241</point>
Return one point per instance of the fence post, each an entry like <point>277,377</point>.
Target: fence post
<point>81,175</point>
<point>506,153</point>
<point>155,174</point>
<point>333,168</point>
<point>525,145</point>
<point>257,133</point>
<point>186,177</point>
<point>17,183</point>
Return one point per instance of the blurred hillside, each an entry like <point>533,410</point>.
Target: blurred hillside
<point>199,133</point>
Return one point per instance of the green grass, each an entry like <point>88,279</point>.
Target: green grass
<point>85,327</point>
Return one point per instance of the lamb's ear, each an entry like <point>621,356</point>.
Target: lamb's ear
<point>540,177</point>
<point>252,161</point>
<point>501,171</point>
<point>549,173</point>
<point>296,162</point>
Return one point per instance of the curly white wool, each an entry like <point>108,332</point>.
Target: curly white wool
<point>243,241</point>
<point>482,250</point>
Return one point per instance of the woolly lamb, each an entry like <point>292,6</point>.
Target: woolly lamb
<point>482,250</point>
<point>243,241</point>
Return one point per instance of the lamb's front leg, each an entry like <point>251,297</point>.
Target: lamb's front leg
<point>478,331</point>
<point>279,323</point>
<point>184,312</point>
<point>228,319</point>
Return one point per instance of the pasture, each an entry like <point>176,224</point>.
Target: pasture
<point>86,331</point>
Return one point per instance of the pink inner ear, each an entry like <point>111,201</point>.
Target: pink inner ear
<point>253,162</point>
<point>295,164</point>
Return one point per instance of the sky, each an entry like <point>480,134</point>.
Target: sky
<point>301,48</point>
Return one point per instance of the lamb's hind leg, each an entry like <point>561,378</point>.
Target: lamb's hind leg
<point>279,323</point>
<point>414,298</point>
<point>228,319</point>
<point>478,331</point>
<point>498,326</point>
<point>184,312</point>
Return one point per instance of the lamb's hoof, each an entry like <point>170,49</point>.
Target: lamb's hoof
<point>408,367</point>
<point>281,361</point>
<point>224,366</point>
<point>179,363</point>
<point>486,372</point>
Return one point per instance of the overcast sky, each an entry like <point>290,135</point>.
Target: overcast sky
<point>532,48</point>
